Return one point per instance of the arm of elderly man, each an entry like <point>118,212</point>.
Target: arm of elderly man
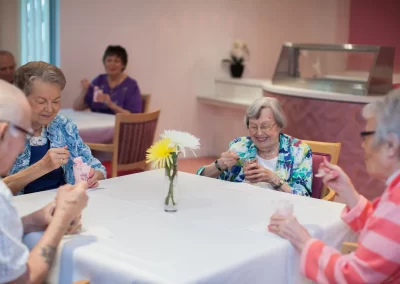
<point>17,265</point>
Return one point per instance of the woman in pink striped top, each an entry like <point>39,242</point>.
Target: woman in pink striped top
<point>377,258</point>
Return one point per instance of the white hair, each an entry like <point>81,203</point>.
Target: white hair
<point>6,52</point>
<point>254,110</point>
<point>387,114</point>
<point>12,101</point>
<point>26,75</point>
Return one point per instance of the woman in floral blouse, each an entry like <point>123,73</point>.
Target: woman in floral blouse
<point>47,159</point>
<point>266,157</point>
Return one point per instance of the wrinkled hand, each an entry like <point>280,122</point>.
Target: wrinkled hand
<point>75,226</point>
<point>55,158</point>
<point>71,200</point>
<point>289,228</point>
<point>255,173</point>
<point>43,216</point>
<point>228,159</point>
<point>104,98</point>
<point>334,177</point>
<point>94,177</point>
<point>85,84</point>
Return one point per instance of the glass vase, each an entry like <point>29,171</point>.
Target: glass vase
<point>171,186</point>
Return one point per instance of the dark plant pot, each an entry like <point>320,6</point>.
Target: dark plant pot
<point>237,70</point>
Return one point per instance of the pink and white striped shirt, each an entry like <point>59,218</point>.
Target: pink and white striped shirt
<point>377,258</point>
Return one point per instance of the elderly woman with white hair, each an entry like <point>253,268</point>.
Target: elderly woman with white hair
<point>267,157</point>
<point>377,258</point>
<point>47,160</point>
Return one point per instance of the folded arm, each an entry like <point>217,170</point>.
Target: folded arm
<point>20,180</point>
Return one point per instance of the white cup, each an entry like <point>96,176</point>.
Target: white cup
<point>283,207</point>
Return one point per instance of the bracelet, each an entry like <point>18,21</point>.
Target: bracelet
<point>279,185</point>
<point>217,166</point>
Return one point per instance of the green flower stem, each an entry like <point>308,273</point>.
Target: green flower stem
<point>171,172</point>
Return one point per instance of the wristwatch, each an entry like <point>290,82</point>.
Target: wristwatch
<point>217,166</point>
<point>279,185</point>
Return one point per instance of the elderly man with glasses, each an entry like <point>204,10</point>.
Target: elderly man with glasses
<point>17,264</point>
<point>267,157</point>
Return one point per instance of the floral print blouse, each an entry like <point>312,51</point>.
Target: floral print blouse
<point>294,164</point>
<point>62,132</point>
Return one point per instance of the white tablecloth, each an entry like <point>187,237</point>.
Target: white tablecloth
<point>93,127</point>
<point>217,236</point>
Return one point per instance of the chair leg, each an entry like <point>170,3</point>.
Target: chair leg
<point>114,171</point>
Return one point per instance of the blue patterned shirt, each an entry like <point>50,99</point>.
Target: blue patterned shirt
<point>62,132</point>
<point>294,164</point>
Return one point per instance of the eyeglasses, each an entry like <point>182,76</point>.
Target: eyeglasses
<point>13,127</point>
<point>366,133</point>
<point>264,128</point>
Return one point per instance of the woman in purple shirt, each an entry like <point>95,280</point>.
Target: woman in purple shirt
<point>116,92</point>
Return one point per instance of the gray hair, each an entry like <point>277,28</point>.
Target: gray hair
<point>12,102</point>
<point>254,110</point>
<point>26,75</point>
<point>387,114</point>
<point>6,52</point>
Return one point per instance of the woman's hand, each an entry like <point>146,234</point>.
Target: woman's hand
<point>94,177</point>
<point>255,173</point>
<point>85,84</point>
<point>104,98</point>
<point>289,228</point>
<point>228,159</point>
<point>335,178</point>
<point>55,158</point>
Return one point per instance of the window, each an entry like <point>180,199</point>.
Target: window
<point>39,31</point>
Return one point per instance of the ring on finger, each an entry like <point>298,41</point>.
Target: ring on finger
<point>62,161</point>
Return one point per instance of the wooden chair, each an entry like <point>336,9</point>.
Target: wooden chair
<point>320,150</point>
<point>133,135</point>
<point>348,247</point>
<point>145,102</point>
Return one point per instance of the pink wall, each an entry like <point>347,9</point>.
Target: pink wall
<point>375,22</point>
<point>175,48</point>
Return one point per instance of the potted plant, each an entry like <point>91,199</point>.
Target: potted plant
<point>239,53</point>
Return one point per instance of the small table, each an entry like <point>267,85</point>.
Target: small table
<point>218,234</point>
<point>93,127</point>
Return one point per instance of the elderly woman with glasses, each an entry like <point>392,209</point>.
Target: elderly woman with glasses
<point>377,258</point>
<point>267,157</point>
<point>47,160</point>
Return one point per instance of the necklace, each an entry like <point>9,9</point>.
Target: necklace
<point>39,140</point>
<point>271,153</point>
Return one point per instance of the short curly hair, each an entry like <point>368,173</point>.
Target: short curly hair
<point>118,51</point>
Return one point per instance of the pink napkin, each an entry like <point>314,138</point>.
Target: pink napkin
<point>81,170</point>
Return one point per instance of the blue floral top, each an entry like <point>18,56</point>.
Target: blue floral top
<point>294,164</point>
<point>62,132</point>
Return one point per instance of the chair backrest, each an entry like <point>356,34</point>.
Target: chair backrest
<point>320,150</point>
<point>145,102</point>
<point>133,135</point>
